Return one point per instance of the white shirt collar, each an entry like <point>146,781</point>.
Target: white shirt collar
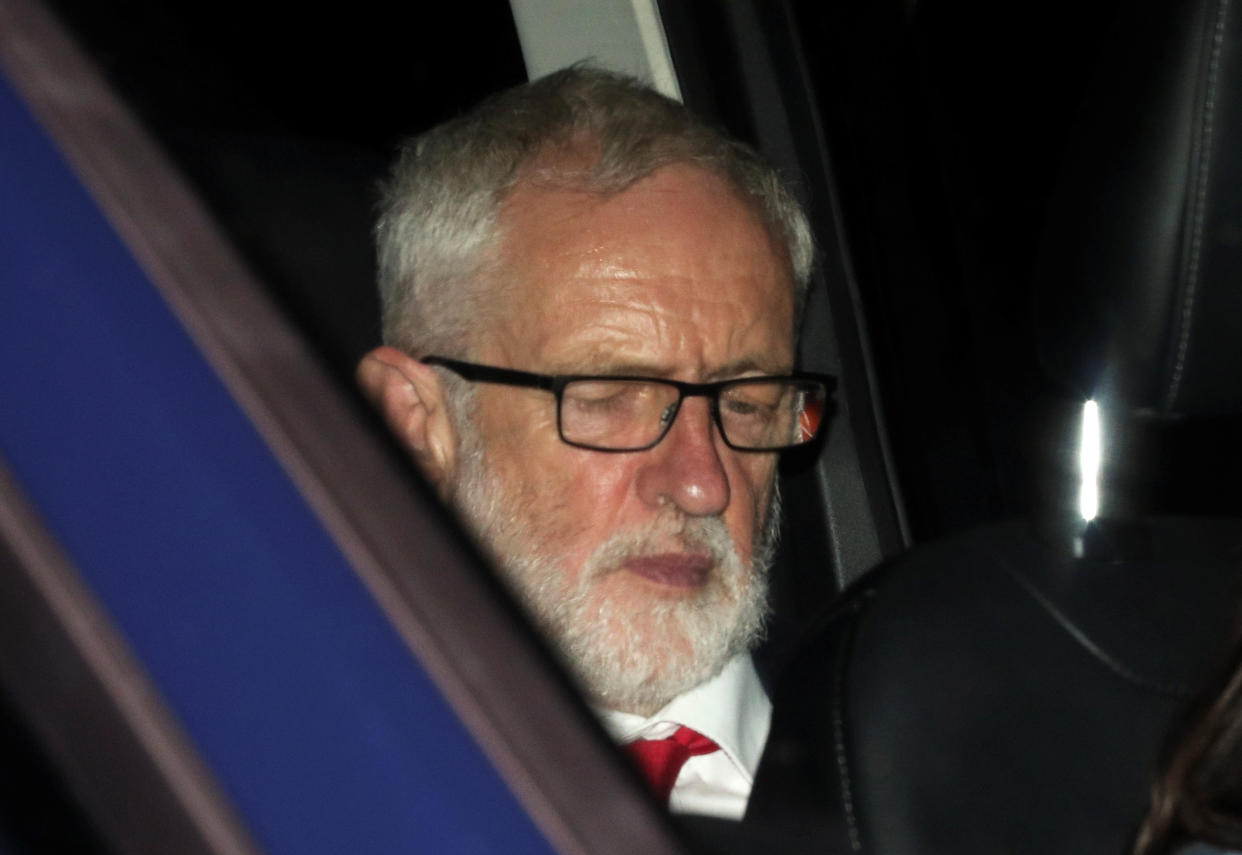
<point>731,709</point>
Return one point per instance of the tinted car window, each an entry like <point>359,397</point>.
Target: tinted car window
<point>285,116</point>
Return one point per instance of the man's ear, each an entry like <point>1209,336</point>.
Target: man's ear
<point>412,400</point>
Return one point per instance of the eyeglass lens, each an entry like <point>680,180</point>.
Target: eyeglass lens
<point>627,414</point>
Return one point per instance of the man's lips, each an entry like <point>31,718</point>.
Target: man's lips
<point>677,569</point>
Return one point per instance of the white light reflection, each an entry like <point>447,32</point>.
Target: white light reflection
<point>1089,462</point>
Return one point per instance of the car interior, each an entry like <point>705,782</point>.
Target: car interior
<point>1008,564</point>
<point>1008,687</point>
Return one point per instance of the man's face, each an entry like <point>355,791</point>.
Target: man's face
<point>641,565</point>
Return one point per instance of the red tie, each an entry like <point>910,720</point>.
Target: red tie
<point>660,760</point>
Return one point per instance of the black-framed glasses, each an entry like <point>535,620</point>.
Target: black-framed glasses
<point>623,413</point>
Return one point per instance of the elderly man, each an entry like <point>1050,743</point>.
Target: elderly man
<point>590,307</point>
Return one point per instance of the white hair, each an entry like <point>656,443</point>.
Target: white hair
<point>437,230</point>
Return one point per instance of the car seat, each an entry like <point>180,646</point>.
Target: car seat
<point>1006,689</point>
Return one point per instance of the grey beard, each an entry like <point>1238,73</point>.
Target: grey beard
<point>625,658</point>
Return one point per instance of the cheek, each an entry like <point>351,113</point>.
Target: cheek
<point>752,481</point>
<point>570,500</point>
<point>594,491</point>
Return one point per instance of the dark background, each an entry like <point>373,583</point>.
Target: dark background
<point>946,121</point>
<point>285,115</point>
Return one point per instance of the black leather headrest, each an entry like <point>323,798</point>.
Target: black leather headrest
<point>990,693</point>
<point>1139,281</point>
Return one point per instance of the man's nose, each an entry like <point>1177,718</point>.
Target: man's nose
<point>686,469</point>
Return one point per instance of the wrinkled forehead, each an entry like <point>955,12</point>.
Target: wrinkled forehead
<point>677,258</point>
<point>575,168</point>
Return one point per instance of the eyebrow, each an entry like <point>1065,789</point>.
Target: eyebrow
<point>747,366</point>
<point>645,369</point>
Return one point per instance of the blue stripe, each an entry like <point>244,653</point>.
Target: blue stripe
<point>324,730</point>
